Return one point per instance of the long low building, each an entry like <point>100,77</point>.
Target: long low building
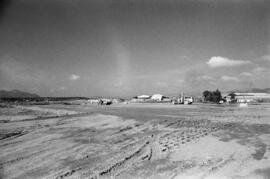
<point>249,97</point>
<point>143,96</point>
<point>153,98</point>
<point>252,95</point>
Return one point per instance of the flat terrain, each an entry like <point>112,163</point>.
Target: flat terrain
<point>135,141</point>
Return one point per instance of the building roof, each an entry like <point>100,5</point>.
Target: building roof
<point>157,96</point>
<point>252,94</point>
<point>143,96</point>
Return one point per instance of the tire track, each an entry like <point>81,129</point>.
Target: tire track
<point>115,168</point>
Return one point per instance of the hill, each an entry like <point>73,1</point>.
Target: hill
<point>252,90</point>
<point>17,94</point>
<point>258,90</point>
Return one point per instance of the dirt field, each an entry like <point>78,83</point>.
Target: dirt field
<point>135,141</point>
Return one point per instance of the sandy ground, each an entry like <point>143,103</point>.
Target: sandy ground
<point>135,141</point>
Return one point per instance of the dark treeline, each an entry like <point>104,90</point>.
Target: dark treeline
<point>212,96</point>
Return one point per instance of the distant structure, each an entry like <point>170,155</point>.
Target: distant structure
<point>188,100</point>
<point>157,97</point>
<point>143,96</point>
<point>105,101</point>
<point>93,101</point>
<point>183,99</point>
<point>154,98</point>
<point>247,97</point>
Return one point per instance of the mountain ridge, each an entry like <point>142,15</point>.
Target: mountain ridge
<point>17,94</point>
<point>252,90</point>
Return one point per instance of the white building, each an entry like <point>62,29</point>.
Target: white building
<point>188,99</point>
<point>157,97</point>
<point>249,97</point>
<point>93,101</point>
<point>143,96</point>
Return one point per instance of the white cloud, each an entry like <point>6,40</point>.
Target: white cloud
<point>218,61</point>
<point>266,58</point>
<point>180,81</point>
<point>246,74</point>
<point>205,77</point>
<point>229,78</point>
<point>74,77</point>
<point>259,69</point>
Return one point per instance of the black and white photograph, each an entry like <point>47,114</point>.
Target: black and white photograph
<point>134,89</point>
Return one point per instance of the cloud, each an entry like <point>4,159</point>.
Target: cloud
<point>266,58</point>
<point>218,61</point>
<point>259,69</point>
<point>246,74</point>
<point>195,80</point>
<point>180,81</point>
<point>205,77</point>
<point>229,78</point>
<point>74,77</point>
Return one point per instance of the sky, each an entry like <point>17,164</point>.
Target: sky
<point>127,48</point>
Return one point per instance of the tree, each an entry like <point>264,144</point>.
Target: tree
<point>232,95</point>
<point>206,94</point>
<point>212,96</point>
<point>216,96</point>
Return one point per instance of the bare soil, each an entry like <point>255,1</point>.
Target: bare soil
<point>135,141</point>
